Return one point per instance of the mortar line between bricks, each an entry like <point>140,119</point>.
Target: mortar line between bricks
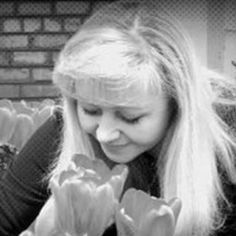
<point>26,66</point>
<point>49,50</point>
<point>46,33</point>
<point>31,99</point>
<point>23,83</point>
<point>43,16</point>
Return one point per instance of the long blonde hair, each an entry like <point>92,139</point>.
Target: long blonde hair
<point>127,43</point>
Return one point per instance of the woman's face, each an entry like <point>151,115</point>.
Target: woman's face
<point>125,131</point>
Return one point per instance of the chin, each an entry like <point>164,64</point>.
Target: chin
<point>122,154</point>
<point>121,158</point>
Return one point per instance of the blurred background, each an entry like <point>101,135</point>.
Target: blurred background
<point>33,32</point>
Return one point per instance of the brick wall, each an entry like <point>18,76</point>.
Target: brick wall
<point>31,35</point>
<point>32,32</point>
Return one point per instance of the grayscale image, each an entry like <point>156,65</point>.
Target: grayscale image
<point>117,117</point>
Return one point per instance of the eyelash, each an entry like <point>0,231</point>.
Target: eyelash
<point>130,121</point>
<point>123,118</point>
<point>91,112</point>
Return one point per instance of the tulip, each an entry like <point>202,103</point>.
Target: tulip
<point>139,214</point>
<point>86,196</point>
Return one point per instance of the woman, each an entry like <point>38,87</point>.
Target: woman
<point>133,92</point>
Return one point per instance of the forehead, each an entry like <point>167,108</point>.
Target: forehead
<point>132,95</point>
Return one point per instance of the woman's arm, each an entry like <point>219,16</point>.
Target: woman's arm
<point>22,190</point>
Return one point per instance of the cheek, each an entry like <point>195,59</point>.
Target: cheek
<point>150,131</point>
<point>88,124</point>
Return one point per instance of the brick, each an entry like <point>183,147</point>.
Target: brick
<point>12,25</point>
<point>9,91</point>
<point>13,41</point>
<point>72,24</point>
<point>49,41</point>
<point>41,74</point>
<point>34,8</point>
<point>52,25</point>
<point>13,74</point>
<point>32,91</point>
<point>32,25</point>
<point>6,9</point>
<point>29,58</point>
<point>4,58</point>
<point>72,7</point>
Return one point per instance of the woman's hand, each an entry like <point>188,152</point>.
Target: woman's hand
<point>139,214</point>
<point>86,196</point>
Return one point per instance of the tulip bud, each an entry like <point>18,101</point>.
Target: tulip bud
<point>86,196</point>
<point>139,214</point>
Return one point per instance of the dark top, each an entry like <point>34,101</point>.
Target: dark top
<point>23,193</point>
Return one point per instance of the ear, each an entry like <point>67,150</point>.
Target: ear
<point>45,222</point>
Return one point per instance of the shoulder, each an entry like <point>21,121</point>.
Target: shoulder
<point>52,124</point>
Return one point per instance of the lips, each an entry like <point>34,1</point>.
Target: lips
<point>119,145</point>
<point>115,145</point>
<point>119,153</point>
<point>114,148</point>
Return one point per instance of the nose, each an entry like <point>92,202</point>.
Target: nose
<point>107,130</point>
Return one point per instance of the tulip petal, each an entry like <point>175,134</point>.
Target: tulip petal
<point>161,223</point>
<point>86,196</point>
<point>82,160</point>
<point>150,216</point>
<point>117,180</point>
<point>65,209</point>
<point>175,204</point>
<point>124,224</point>
<point>119,169</point>
<point>97,165</point>
<point>80,194</point>
<point>102,169</point>
<point>138,203</point>
<point>66,175</point>
<point>129,203</point>
<point>45,222</point>
<point>61,206</point>
<point>104,210</point>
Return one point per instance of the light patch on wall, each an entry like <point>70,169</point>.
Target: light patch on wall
<point>193,16</point>
<point>230,53</point>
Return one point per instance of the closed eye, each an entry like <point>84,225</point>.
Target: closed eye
<point>122,117</point>
<point>92,112</point>
<point>128,120</point>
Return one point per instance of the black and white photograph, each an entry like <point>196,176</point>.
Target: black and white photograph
<point>117,117</point>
